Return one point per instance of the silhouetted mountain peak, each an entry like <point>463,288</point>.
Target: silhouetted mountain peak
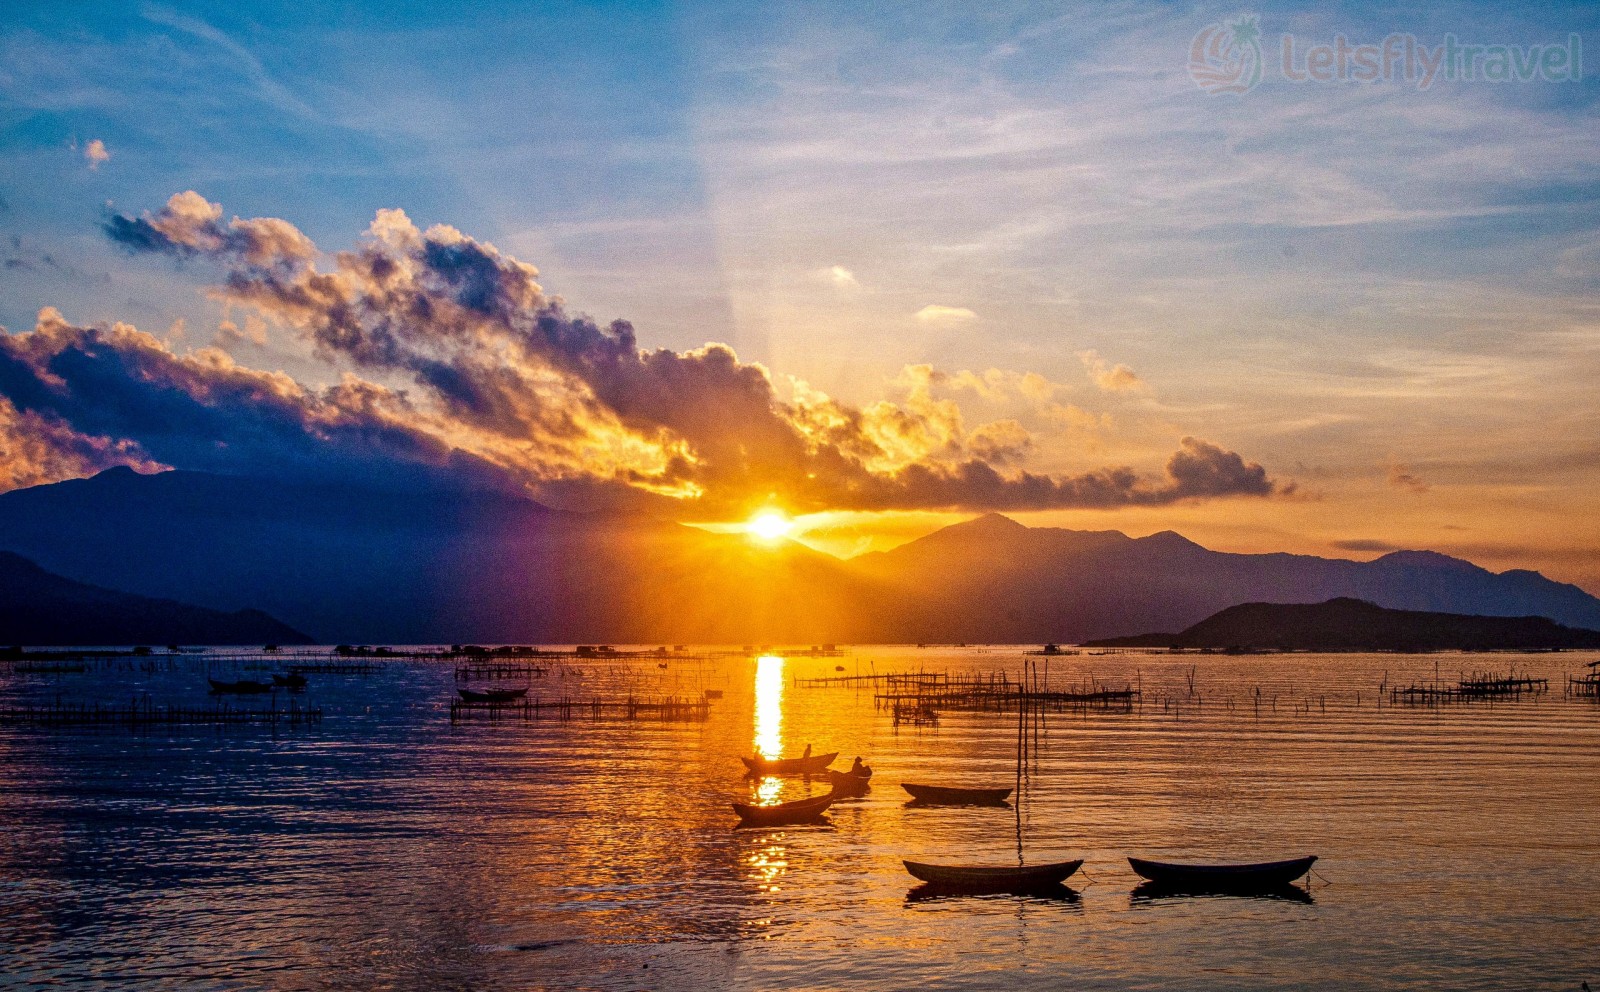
<point>1169,539</point>
<point>1426,559</point>
<point>989,523</point>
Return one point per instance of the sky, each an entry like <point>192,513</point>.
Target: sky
<point>880,266</point>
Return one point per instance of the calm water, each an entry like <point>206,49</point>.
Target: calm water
<point>386,848</point>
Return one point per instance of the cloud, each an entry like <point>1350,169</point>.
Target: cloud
<point>1401,477</point>
<point>459,364</point>
<point>95,153</point>
<point>841,276</point>
<point>1364,544</point>
<point>190,225</point>
<point>1111,378</point>
<point>37,447</point>
<point>934,312</point>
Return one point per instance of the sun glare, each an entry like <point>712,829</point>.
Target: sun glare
<point>769,525</point>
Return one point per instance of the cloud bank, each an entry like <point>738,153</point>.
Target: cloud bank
<point>457,364</point>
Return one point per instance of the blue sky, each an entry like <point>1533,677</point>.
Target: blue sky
<point>1334,279</point>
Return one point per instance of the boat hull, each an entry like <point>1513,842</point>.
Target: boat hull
<point>783,814</point>
<point>846,784</point>
<point>1255,877</point>
<point>947,796</point>
<point>993,878</point>
<point>814,765</point>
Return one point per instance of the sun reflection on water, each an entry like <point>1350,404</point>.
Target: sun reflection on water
<point>768,863</point>
<point>769,706</point>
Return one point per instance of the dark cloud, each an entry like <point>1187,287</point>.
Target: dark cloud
<point>502,376</point>
<point>202,411</point>
<point>1363,544</point>
<point>1401,477</point>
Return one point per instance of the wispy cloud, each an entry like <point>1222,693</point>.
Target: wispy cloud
<point>1111,378</point>
<point>938,313</point>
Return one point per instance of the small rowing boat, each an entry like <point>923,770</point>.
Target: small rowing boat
<point>1254,877</point>
<point>784,814</point>
<point>242,687</point>
<point>846,784</point>
<point>944,795</point>
<point>813,765</point>
<point>993,878</point>
<point>492,695</point>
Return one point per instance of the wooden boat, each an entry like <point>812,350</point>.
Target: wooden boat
<point>492,695</point>
<point>242,687</point>
<point>846,784</point>
<point>1259,876</point>
<point>294,680</point>
<point>944,795</point>
<point>816,764</point>
<point>784,814</point>
<point>993,878</point>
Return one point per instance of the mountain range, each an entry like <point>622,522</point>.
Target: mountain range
<point>38,608</point>
<point>430,565</point>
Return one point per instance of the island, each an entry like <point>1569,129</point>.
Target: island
<point>1346,624</point>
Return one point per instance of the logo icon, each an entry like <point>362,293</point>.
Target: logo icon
<point>1226,58</point>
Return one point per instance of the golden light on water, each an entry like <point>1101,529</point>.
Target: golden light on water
<point>769,706</point>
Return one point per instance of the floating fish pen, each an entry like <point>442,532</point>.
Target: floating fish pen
<point>666,710</point>
<point>927,678</point>
<point>1584,685</point>
<point>1475,686</point>
<point>915,715</point>
<point>468,673</point>
<point>145,713</point>
<point>1052,651</point>
<point>1492,685</point>
<point>997,692</point>
<point>49,668</point>
<point>824,651</point>
<point>334,668</point>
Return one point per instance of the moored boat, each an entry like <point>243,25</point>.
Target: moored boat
<point>492,695</point>
<point>241,687</point>
<point>813,765</point>
<point>944,795</point>
<point>848,784</point>
<point>993,878</point>
<point>1247,877</point>
<point>784,814</point>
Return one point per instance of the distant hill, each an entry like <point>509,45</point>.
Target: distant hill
<point>1353,625</point>
<point>374,565</point>
<point>992,579</point>
<point>39,608</point>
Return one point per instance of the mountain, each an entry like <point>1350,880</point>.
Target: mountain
<point>991,579</point>
<point>399,566</point>
<point>382,565</point>
<point>1353,625</point>
<point>39,608</point>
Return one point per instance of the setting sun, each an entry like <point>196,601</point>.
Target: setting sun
<point>769,525</point>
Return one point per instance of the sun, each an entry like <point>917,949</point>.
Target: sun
<point>769,525</point>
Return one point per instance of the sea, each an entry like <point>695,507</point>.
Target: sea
<point>376,837</point>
